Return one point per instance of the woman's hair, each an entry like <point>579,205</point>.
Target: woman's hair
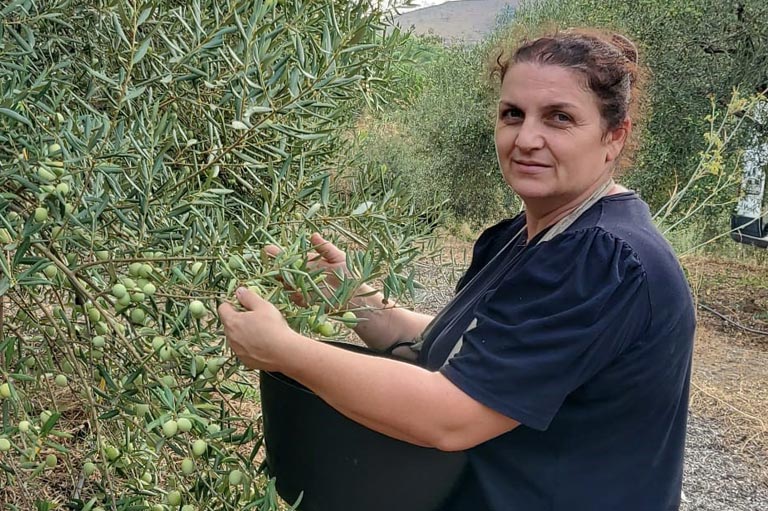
<point>607,61</point>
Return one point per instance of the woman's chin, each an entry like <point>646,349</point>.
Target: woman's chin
<point>529,189</point>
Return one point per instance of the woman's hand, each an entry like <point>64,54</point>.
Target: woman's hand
<point>326,257</point>
<point>257,335</point>
<point>381,322</point>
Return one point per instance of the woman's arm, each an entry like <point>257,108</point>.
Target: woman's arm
<point>385,323</point>
<point>397,399</point>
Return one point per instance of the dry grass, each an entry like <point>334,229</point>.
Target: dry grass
<point>730,373</point>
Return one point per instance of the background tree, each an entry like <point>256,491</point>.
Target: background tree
<point>697,53</point>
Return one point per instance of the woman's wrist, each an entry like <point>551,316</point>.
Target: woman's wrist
<point>366,297</point>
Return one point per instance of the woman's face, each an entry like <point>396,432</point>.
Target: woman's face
<point>550,137</point>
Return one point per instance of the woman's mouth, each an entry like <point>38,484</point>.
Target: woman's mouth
<point>530,166</point>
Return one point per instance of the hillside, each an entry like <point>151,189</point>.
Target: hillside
<point>465,20</point>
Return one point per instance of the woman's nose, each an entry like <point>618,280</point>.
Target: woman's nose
<point>529,135</point>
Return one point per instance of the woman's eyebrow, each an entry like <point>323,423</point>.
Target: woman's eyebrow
<point>564,105</point>
<point>560,106</point>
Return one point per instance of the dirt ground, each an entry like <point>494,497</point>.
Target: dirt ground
<point>730,372</point>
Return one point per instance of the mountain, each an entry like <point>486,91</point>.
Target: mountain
<point>464,20</point>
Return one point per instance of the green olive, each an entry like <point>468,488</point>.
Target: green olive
<point>41,215</point>
<point>196,309</point>
<point>185,425</point>
<point>94,314</point>
<point>51,271</point>
<point>138,316</point>
<point>325,329</point>
<point>187,466</point>
<point>119,290</point>
<point>62,189</point>
<point>199,447</point>
<point>173,498</point>
<point>89,468</point>
<point>199,364</point>
<point>112,452</point>
<point>166,353</point>
<point>235,477</point>
<point>213,366</point>
<point>158,342</point>
<point>170,428</point>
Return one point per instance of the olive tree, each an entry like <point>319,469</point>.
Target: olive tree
<point>148,150</point>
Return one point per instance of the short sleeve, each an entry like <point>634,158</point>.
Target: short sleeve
<point>552,324</point>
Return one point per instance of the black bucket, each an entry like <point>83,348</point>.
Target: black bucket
<point>340,465</point>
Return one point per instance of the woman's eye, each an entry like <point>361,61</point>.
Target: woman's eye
<point>511,114</point>
<point>561,117</point>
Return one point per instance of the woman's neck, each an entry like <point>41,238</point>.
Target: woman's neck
<point>540,216</point>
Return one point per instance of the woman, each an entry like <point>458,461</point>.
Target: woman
<point>562,365</point>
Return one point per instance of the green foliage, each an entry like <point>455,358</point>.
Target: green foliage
<point>696,52</point>
<point>715,175</point>
<point>148,150</point>
<point>442,143</point>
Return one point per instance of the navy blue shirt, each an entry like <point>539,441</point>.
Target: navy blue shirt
<point>586,340</point>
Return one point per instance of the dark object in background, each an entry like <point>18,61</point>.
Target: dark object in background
<point>749,222</point>
<point>341,465</point>
<point>752,231</point>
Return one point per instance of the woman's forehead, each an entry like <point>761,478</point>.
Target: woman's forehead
<point>545,84</point>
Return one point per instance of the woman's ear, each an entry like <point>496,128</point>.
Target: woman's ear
<point>616,139</point>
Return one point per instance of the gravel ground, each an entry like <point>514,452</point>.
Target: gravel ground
<point>716,478</point>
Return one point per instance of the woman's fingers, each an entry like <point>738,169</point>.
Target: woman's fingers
<point>272,250</point>
<point>327,250</point>
<point>327,255</point>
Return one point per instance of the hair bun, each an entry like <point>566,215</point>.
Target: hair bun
<point>625,46</point>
